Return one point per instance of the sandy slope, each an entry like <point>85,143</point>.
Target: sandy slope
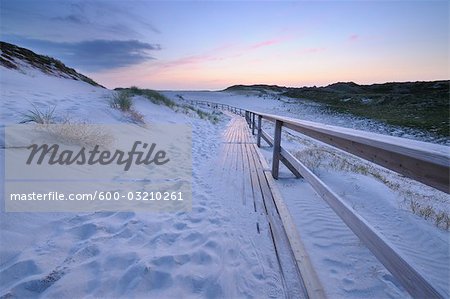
<point>209,252</point>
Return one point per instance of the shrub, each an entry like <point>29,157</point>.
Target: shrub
<point>121,100</point>
<point>444,219</point>
<point>135,90</point>
<point>79,133</point>
<point>136,117</point>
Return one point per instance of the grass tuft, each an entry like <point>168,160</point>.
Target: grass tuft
<point>43,117</point>
<point>121,100</point>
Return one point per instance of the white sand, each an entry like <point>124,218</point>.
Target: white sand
<point>213,251</point>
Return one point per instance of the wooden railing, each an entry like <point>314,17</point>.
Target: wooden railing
<point>423,162</point>
<point>212,105</point>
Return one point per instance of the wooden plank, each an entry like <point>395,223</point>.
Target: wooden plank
<point>251,178</point>
<point>238,152</point>
<point>265,191</point>
<point>257,195</point>
<point>247,179</point>
<point>247,187</point>
<point>226,148</point>
<point>267,137</point>
<point>290,270</point>
<point>240,174</point>
<point>290,166</point>
<point>411,280</point>
<point>309,276</point>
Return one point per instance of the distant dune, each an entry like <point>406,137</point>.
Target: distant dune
<point>419,105</point>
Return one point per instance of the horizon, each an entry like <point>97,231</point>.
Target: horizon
<point>208,46</point>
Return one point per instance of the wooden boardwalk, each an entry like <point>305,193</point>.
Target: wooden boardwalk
<point>242,160</point>
<point>256,189</point>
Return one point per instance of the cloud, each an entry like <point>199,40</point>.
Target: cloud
<point>95,55</point>
<point>76,20</point>
<point>312,50</point>
<point>220,53</point>
<point>265,43</point>
<point>72,18</point>
<point>353,37</point>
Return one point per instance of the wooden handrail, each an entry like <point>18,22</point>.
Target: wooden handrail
<point>424,162</point>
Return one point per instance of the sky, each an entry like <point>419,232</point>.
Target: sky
<point>210,45</point>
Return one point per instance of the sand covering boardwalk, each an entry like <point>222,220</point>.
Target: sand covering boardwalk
<point>255,188</point>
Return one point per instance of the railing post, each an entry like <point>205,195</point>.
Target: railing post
<point>258,137</point>
<point>253,124</point>
<point>276,149</point>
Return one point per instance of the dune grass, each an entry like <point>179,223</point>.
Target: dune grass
<point>323,158</point>
<point>121,100</point>
<point>38,116</point>
<point>154,96</point>
<point>159,99</point>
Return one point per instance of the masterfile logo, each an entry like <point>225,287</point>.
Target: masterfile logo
<point>147,156</point>
<point>66,167</point>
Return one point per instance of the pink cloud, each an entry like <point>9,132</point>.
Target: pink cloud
<point>265,43</point>
<point>353,37</point>
<point>222,52</point>
<point>187,60</point>
<point>215,54</point>
<point>313,50</point>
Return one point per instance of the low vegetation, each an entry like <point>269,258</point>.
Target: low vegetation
<point>154,96</point>
<point>35,115</point>
<point>189,109</point>
<point>418,105</point>
<point>323,158</point>
<point>122,100</point>
<point>80,133</point>
<point>159,99</point>
<point>64,129</point>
